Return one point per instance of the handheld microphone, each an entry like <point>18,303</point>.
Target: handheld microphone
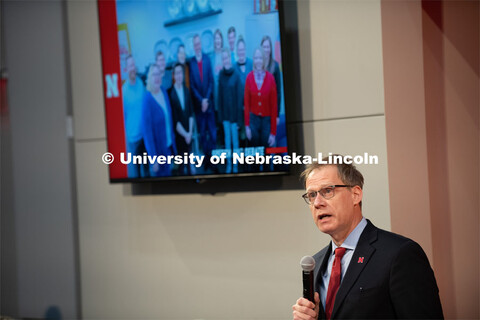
<point>308,265</point>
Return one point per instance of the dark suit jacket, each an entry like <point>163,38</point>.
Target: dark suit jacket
<point>389,277</point>
<point>180,115</point>
<point>201,89</point>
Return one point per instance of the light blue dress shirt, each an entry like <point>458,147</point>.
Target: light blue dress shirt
<point>350,244</point>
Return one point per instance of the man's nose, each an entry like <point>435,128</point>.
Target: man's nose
<point>319,200</point>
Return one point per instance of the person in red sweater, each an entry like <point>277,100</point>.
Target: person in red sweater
<point>260,103</point>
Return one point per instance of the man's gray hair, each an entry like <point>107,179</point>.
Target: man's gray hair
<point>348,173</point>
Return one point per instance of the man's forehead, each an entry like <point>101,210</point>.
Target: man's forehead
<point>323,175</point>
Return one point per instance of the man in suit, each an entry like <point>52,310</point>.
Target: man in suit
<point>365,272</point>
<point>201,85</point>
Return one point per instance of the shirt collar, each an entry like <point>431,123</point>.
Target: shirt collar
<point>352,240</point>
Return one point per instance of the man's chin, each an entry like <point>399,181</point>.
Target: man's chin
<point>325,227</point>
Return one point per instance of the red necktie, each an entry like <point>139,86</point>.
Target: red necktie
<point>334,283</point>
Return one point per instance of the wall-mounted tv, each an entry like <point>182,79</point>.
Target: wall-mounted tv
<point>197,89</point>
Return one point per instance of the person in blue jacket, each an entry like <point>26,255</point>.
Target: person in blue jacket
<point>157,125</point>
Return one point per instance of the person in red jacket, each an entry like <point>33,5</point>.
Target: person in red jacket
<point>260,103</point>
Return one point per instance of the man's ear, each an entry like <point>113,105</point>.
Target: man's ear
<point>357,194</point>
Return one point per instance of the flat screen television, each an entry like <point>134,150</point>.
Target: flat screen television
<point>200,89</point>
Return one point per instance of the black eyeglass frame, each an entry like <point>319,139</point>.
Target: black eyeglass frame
<point>305,195</point>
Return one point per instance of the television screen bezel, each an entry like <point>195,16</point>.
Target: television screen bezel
<point>214,183</point>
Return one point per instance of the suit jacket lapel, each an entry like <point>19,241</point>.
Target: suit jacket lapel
<point>319,270</point>
<point>360,258</point>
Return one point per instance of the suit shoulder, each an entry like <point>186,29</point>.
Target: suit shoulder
<point>396,242</point>
<point>392,237</point>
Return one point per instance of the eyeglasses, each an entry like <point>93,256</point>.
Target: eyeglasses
<point>327,192</point>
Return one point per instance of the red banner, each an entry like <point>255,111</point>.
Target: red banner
<point>112,86</point>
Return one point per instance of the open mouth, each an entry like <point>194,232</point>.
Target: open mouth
<point>323,216</point>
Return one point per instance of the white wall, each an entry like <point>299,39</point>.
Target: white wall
<point>229,256</point>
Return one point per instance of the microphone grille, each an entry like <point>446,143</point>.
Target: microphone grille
<point>307,263</point>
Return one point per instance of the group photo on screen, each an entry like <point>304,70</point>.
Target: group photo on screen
<point>205,81</point>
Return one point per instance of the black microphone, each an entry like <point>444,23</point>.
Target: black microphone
<point>308,265</point>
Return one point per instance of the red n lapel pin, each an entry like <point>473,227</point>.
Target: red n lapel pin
<point>360,259</point>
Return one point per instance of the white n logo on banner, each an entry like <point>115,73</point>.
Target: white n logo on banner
<point>112,87</point>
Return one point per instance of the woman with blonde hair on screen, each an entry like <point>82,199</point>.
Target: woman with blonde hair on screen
<point>260,99</point>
